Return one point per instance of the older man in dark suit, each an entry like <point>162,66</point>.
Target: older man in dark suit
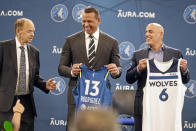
<point>137,72</point>
<point>19,73</point>
<point>78,49</point>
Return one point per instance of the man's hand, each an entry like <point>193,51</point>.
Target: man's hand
<point>51,84</point>
<point>76,69</point>
<point>142,64</point>
<point>113,69</point>
<point>18,108</point>
<point>183,65</point>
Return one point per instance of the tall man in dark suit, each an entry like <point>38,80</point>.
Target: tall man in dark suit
<point>19,73</point>
<point>76,52</point>
<point>137,72</point>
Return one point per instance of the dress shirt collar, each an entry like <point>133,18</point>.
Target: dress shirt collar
<point>161,49</point>
<point>95,35</point>
<point>18,44</point>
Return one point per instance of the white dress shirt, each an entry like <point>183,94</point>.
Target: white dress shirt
<point>18,52</point>
<point>87,40</point>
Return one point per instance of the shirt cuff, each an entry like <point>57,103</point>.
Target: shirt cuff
<point>72,74</point>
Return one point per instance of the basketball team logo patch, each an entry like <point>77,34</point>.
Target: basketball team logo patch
<point>59,13</point>
<point>191,89</point>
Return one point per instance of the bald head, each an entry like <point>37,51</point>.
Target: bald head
<point>158,26</point>
<point>154,35</point>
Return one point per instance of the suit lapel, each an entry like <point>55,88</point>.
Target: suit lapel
<point>13,55</point>
<point>31,64</point>
<point>100,47</point>
<point>82,47</point>
<point>166,56</point>
<point>145,54</point>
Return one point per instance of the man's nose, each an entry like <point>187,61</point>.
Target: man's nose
<point>86,24</point>
<point>146,34</point>
<point>32,34</point>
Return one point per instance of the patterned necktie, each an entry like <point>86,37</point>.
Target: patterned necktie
<point>91,52</point>
<point>22,73</point>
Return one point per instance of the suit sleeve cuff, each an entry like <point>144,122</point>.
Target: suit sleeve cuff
<point>184,72</point>
<point>138,71</point>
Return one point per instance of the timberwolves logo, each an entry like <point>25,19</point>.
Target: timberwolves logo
<point>143,45</point>
<point>60,86</point>
<point>59,13</point>
<point>77,12</point>
<point>191,89</point>
<point>190,14</point>
<point>126,50</point>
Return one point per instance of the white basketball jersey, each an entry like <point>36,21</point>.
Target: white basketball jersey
<point>163,97</point>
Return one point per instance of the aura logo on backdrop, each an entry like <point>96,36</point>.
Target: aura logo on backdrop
<point>135,14</point>
<point>190,52</point>
<point>60,86</point>
<point>126,50</point>
<point>77,12</point>
<point>190,14</point>
<point>189,124</point>
<point>191,89</point>
<point>59,13</point>
<point>11,13</point>
<point>56,122</point>
<point>124,87</point>
<point>56,50</point>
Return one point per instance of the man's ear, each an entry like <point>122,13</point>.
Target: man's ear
<point>17,31</point>
<point>99,20</point>
<point>162,35</point>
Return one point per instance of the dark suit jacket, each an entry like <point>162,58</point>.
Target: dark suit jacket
<point>74,51</point>
<point>133,75</point>
<point>9,74</point>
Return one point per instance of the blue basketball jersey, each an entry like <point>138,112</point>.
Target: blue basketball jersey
<point>163,97</point>
<point>92,89</point>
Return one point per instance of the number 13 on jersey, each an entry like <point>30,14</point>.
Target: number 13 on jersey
<point>95,89</point>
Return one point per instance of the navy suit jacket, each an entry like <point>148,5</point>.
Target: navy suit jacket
<point>132,74</point>
<point>9,74</point>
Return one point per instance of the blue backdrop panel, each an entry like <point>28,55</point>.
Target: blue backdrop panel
<point>125,20</point>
